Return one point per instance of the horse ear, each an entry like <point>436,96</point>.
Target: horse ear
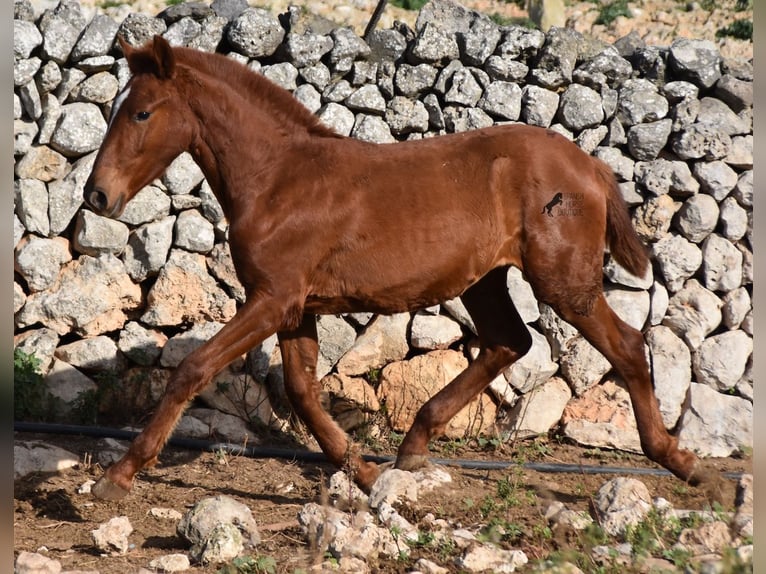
<point>164,58</point>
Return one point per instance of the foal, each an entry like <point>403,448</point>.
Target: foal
<point>320,223</point>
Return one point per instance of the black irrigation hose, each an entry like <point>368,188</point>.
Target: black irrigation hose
<point>309,456</point>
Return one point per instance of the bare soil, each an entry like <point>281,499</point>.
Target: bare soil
<point>51,517</point>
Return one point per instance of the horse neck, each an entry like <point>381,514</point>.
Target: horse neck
<point>243,122</point>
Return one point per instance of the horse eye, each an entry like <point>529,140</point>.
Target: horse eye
<point>142,116</point>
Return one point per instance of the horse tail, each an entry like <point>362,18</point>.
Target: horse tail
<point>624,244</point>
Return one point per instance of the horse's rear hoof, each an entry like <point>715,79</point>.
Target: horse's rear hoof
<point>412,462</point>
<point>105,489</point>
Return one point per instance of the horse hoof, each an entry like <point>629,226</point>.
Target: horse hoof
<point>105,489</point>
<point>412,462</point>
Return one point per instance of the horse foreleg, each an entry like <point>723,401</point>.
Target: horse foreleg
<point>254,321</point>
<point>504,339</point>
<point>299,350</point>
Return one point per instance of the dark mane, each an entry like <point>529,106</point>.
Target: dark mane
<point>255,88</point>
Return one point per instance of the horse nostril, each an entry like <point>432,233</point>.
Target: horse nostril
<point>97,200</point>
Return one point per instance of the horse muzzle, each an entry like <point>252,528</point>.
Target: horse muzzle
<point>98,200</point>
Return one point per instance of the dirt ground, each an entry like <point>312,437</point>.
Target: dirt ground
<point>51,517</point>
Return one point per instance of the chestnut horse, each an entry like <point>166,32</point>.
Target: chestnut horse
<point>320,223</point>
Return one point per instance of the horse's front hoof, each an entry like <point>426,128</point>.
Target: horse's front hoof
<point>105,489</point>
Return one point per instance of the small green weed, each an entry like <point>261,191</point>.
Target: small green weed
<point>612,11</point>
<point>250,565</point>
<point>741,29</point>
<point>409,4</point>
<point>30,396</point>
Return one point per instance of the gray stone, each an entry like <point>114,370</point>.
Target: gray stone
<point>640,102</point>
<point>337,117</point>
<point>716,178</point>
<point>701,141</point>
<point>617,274</point>
<point>80,130</point>
<point>743,190</point>
<point>24,71</point>
<point>59,38</point>
<point>720,360</point>
<point>183,175</point>
<point>666,176</point>
<point>384,340</point>
<point>307,49</point>
<point>337,91</point>
<point>347,45</point>
<point>434,331</point>
<point>721,264</point>
<point>49,119</point>
<point>112,536</point>
<point>387,45</point>
<point>557,58</point>
<point>605,68</point>
<point>41,343</point>
<point>405,116</point>
<point>736,93</point>
<point>308,95</point>
<point>580,107</point>
<point>736,306</point>
<point>149,204</point>
<point>506,69</point>
<point>141,345</point>
<point>148,247</point>
<point>193,232</point>
<point>678,260</point>
<point>170,563</point>
<point>697,61</point>
<point>531,370</point>
<point>38,260</point>
<point>37,456</point>
<point>255,33</point>
<point>94,235</point>
<point>219,529</point>
<point>680,90</point>
<point>367,99</point>
<point>697,217</point>
<point>622,503</point>
<point>372,129</point>
<point>658,300</point>
<point>97,39</point>
<point>622,166</point>
<point>24,133</point>
<point>434,46</point>
<point>632,306</point>
<point>539,410</point>
<point>183,32</point>
<point>645,141</point>
<point>460,119</point>
<point>716,114</point>
<point>733,219</point>
<point>96,353</point>
<point>26,38</point>
<point>716,424</point>
<point>137,28</point>
<point>30,100</point>
<point>65,195</point>
<point>740,154</point>
<point>31,203</point>
<point>693,313</point>
<point>502,100</point>
<point>590,138</point>
<point>671,371</point>
<point>582,365</point>
<point>183,344</point>
<point>465,89</point>
<point>412,80</point>
<point>336,338</point>
<point>479,42</point>
<point>283,74</point>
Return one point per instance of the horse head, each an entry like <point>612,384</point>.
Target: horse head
<point>147,129</point>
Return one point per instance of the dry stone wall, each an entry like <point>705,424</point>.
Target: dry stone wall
<point>134,296</point>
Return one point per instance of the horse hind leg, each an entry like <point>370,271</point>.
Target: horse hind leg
<point>623,346</point>
<point>504,338</point>
<point>299,350</point>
